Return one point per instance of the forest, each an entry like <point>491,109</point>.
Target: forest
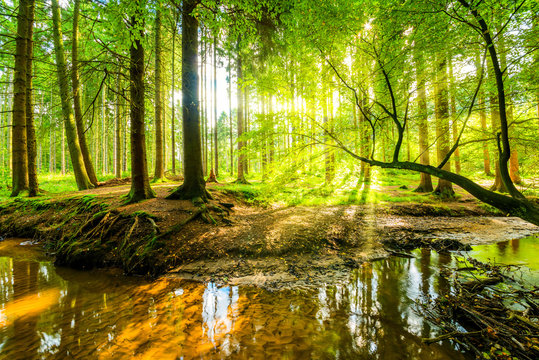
<point>277,145</point>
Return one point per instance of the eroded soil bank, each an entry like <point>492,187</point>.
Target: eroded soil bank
<point>267,247</point>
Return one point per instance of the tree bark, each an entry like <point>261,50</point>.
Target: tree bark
<point>118,132</point>
<point>19,156</point>
<point>444,188</point>
<point>76,97</point>
<point>425,183</point>
<point>513,159</point>
<point>481,103</point>
<point>230,115</point>
<point>140,183</point>
<point>327,148</point>
<point>173,88</point>
<point>503,138</point>
<point>215,125</point>
<point>33,185</point>
<point>81,176</point>
<point>494,121</point>
<point>159,168</point>
<point>193,186</point>
<point>454,127</point>
<point>239,121</point>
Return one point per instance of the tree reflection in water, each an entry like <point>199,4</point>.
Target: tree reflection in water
<point>98,315</point>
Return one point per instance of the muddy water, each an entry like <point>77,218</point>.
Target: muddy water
<point>56,313</point>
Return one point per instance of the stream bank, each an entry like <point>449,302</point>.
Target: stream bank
<point>263,246</point>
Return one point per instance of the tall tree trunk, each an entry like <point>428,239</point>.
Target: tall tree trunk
<point>104,142</point>
<point>513,160</point>
<point>118,132</point>
<point>495,126</point>
<point>193,186</point>
<point>239,121</point>
<point>481,103</point>
<point>173,88</point>
<point>140,183</point>
<point>33,185</point>
<point>19,156</point>
<point>325,121</point>
<point>204,109</point>
<point>444,188</point>
<point>215,125</point>
<point>81,176</point>
<point>452,90</point>
<point>271,137</point>
<point>425,183</point>
<point>159,168</point>
<point>76,96</point>
<point>245,128</point>
<point>230,115</point>
<point>503,138</point>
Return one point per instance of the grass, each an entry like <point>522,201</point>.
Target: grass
<point>51,184</point>
<point>308,188</point>
<point>346,189</point>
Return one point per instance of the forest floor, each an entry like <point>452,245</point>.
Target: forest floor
<point>271,246</point>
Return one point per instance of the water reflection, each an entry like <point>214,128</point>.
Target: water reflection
<point>94,315</point>
<point>523,252</point>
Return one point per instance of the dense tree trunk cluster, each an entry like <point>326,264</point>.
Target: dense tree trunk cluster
<point>382,87</point>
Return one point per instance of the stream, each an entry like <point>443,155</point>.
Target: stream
<point>48,312</point>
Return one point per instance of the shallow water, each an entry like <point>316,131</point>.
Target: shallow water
<point>523,252</point>
<point>57,313</point>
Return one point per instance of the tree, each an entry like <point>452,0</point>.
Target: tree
<point>81,176</point>
<point>33,185</point>
<point>140,183</point>
<point>483,118</point>
<point>515,204</point>
<point>444,188</point>
<point>239,121</point>
<point>76,96</point>
<point>159,166</point>
<point>425,184</point>
<point>19,134</point>
<point>194,186</point>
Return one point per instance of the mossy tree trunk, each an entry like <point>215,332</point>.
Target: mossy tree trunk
<point>140,182</point>
<point>33,185</point>
<point>19,156</point>
<point>194,185</point>
<point>81,176</point>
<point>159,166</point>
<point>76,96</point>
